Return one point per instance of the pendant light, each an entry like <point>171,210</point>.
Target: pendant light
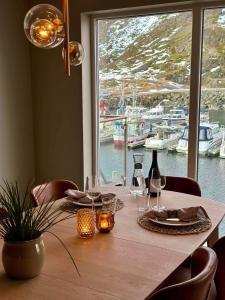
<point>47,27</point>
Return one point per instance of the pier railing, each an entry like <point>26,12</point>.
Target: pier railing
<point>113,118</point>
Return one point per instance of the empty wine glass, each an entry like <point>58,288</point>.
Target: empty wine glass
<point>92,182</point>
<point>157,182</point>
<point>91,187</point>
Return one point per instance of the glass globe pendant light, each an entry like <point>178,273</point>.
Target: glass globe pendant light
<point>43,26</point>
<point>76,53</point>
<point>47,27</point>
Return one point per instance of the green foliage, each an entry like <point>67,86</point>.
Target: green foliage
<point>21,221</point>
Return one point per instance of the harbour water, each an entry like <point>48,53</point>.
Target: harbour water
<point>211,170</point>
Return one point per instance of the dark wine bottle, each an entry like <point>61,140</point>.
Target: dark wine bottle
<point>151,190</point>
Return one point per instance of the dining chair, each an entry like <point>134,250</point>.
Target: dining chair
<point>203,267</point>
<point>51,191</point>
<point>219,248</point>
<point>185,185</point>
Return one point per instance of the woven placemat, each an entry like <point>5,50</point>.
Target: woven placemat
<point>204,225</point>
<point>70,206</point>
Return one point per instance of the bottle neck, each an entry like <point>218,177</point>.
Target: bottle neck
<point>154,159</point>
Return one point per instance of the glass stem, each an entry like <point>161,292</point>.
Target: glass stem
<point>157,199</point>
<point>93,204</point>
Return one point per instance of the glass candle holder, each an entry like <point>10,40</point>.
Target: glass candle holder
<point>104,221</point>
<point>85,223</point>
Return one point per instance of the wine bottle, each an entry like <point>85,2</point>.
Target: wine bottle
<point>151,190</point>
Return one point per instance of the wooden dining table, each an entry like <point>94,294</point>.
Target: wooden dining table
<point>127,263</point>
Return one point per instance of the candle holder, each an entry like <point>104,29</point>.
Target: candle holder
<point>85,223</point>
<point>104,221</point>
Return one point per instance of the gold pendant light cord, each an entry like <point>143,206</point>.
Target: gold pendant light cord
<point>65,7</point>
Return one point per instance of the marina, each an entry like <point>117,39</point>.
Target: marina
<point>153,129</point>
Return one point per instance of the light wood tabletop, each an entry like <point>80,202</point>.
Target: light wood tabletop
<point>128,263</point>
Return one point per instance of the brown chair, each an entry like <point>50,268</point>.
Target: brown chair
<point>203,268</point>
<point>182,185</point>
<point>219,248</point>
<point>51,191</point>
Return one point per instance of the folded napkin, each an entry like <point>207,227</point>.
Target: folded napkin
<point>184,214</point>
<point>82,197</point>
<point>76,194</point>
<point>107,197</point>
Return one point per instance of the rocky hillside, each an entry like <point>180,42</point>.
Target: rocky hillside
<point>152,53</point>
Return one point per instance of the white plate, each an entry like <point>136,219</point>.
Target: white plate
<point>172,222</point>
<point>96,204</point>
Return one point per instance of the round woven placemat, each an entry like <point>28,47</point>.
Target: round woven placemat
<point>70,206</point>
<point>202,226</point>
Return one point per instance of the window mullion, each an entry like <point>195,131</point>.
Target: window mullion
<point>195,91</point>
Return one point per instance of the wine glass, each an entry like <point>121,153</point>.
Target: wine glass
<point>157,182</point>
<point>91,188</point>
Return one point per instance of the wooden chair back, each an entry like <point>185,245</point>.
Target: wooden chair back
<point>203,268</point>
<point>219,248</point>
<point>182,185</point>
<point>51,191</point>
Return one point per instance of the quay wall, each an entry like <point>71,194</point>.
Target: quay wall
<point>210,98</point>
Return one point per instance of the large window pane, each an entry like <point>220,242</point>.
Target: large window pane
<point>144,73</point>
<point>211,152</point>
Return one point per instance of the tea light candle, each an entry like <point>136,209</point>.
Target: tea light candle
<point>104,221</point>
<point>85,223</point>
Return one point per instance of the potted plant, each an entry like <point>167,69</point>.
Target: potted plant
<point>21,227</point>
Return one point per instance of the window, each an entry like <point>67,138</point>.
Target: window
<point>211,172</point>
<point>144,74</point>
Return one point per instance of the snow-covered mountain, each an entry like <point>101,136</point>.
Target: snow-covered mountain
<point>155,51</point>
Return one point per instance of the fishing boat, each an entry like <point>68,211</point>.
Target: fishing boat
<point>175,115</point>
<point>154,114</point>
<point>138,131</point>
<point>222,147</point>
<point>210,136</point>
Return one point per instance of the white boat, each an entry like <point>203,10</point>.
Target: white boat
<point>106,131</point>
<point>163,138</point>
<point>134,112</point>
<point>138,131</point>
<point>175,115</point>
<point>154,114</point>
<point>210,136</point>
<point>222,147</point>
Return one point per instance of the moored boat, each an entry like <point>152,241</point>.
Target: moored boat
<point>106,133</point>
<point>222,147</point>
<point>210,136</point>
<point>176,116</point>
<point>162,140</point>
<point>138,131</point>
<point>154,114</point>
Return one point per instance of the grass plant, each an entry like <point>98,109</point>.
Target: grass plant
<point>20,220</point>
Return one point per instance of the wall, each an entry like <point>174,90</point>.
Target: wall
<point>16,125</point>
